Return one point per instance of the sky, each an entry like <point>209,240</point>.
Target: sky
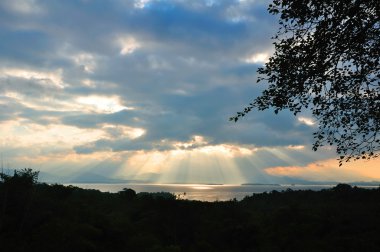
<point>143,90</point>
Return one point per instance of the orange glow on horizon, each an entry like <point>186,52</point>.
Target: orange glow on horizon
<point>365,170</point>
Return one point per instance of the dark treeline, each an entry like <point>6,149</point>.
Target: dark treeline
<point>41,217</point>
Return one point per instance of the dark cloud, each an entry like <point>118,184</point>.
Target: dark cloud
<point>87,120</point>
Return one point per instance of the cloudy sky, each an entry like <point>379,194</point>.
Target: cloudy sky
<point>143,89</point>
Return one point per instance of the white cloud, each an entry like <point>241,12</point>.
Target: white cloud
<point>239,12</point>
<point>295,147</point>
<point>226,150</point>
<point>128,45</point>
<point>101,104</point>
<point>47,103</point>
<point>306,120</point>
<point>86,61</point>
<point>196,141</point>
<point>53,101</point>
<point>23,134</point>
<point>48,78</point>
<point>140,4</point>
<point>121,131</point>
<point>88,83</point>
<point>258,58</point>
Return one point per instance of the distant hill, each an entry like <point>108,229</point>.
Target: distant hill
<point>97,178</point>
<point>298,181</point>
<point>84,178</point>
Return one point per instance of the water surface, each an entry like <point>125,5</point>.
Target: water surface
<point>203,192</point>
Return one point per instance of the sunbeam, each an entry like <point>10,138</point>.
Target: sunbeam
<point>194,166</point>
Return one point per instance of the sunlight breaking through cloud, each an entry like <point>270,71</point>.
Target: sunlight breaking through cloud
<point>196,141</point>
<point>23,134</point>
<point>199,165</point>
<point>49,78</point>
<point>120,131</point>
<point>296,147</point>
<point>102,104</point>
<point>142,89</point>
<point>258,58</point>
<point>306,120</point>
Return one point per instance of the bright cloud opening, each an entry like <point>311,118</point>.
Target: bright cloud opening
<point>295,147</point>
<point>102,104</point>
<point>306,120</point>
<point>258,58</point>
<point>226,150</point>
<point>120,131</point>
<point>88,104</point>
<point>194,142</point>
<point>23,134</point>
<point>52,78</point>
<point>185,166</point>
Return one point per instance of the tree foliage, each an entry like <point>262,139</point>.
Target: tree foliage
<point>327,59</point>
<point>26,177</point>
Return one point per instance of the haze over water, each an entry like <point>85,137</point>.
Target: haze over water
<point>202,192</point>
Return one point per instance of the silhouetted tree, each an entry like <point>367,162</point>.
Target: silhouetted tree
<point>327,59</point>
<point>127,194</point>
<point>16,194</point>
<point>25,177</point>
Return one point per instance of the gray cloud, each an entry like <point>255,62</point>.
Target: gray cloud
<point>186,78</point>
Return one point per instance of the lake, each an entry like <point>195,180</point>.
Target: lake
<point>202,192</point>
